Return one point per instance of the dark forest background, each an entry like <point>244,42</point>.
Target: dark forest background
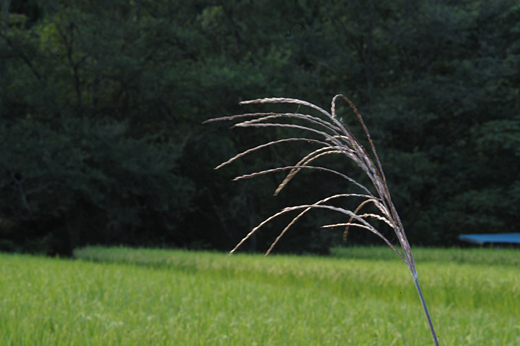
<point>102,104</point>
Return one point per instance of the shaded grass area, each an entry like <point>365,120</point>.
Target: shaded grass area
<point>485,256</point>
<point>120,296</point>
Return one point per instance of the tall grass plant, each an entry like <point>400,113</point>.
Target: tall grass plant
<point>332,137</point>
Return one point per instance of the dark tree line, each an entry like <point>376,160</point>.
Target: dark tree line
<point>101,105</point>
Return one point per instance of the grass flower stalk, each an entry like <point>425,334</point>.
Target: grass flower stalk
<point>336,139</point>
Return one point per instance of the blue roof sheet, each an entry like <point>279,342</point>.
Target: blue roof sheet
<point>511,238</point>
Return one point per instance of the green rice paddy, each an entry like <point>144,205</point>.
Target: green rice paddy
<point>359,296</point>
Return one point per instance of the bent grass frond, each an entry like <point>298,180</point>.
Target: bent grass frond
<point>338,140</point>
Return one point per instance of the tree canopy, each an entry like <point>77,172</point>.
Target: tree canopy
<point>102,104</point>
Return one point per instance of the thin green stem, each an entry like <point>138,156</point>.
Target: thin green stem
<point>426,310</point>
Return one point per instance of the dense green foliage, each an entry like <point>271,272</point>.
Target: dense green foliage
<point>158,297</point>
<point>101,105</point>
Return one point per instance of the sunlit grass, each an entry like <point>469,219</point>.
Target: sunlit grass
<point>160,297</point>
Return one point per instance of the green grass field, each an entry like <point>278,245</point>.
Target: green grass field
<point>359,296</point>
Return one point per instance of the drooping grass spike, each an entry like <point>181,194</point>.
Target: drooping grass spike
<point>337,139</point>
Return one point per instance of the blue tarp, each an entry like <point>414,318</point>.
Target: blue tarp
<point>481,239</point>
